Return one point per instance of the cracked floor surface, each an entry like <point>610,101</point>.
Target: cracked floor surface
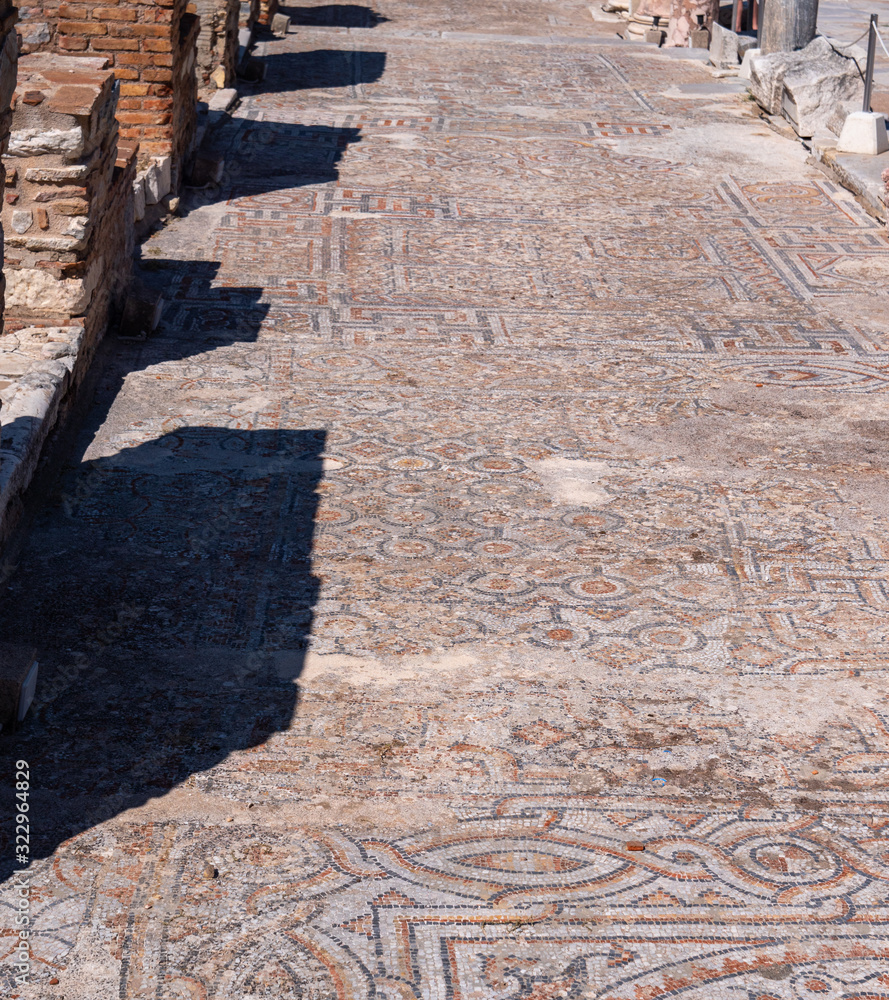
<point>503,492</point>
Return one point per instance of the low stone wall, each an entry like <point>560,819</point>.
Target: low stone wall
<point>66,215</point>
<point>68,222</point>
<point>102,125</point>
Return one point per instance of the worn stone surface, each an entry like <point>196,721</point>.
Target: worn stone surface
<point>503,489</point>
<point>817,79</point>
<point>787,27</point>
<point>817,87</point>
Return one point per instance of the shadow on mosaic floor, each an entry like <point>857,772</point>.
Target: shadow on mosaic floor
<point>335,15</point>
<point>320,69</point>
<point>263,156</point>
<point>157,579</point>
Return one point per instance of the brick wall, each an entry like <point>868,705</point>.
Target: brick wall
<point>68,208</point>
<point>150,45</point>
<point>267,10</point>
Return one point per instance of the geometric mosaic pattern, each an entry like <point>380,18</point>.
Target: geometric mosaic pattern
<point>478,587</point>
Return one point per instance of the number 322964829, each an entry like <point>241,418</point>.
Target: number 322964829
<point>22,821</point>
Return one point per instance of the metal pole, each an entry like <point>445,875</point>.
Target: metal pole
<point>869,69</point>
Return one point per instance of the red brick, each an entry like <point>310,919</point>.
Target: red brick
<point>158,104</point>
<point>122,73</point>
<point>155,30</point>
<point>82,28</point>
<point>114,14</point>
<point>115,45</point>
<point>73,44</point>
<point>136,59</point>
<point>143,118</point>
<point>157,45</point>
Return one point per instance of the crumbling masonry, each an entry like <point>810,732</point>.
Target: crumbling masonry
<point>98,124</point>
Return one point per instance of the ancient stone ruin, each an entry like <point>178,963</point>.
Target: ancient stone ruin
<point>99,127</point>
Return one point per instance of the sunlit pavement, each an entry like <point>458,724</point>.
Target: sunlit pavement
<point>477,587</point>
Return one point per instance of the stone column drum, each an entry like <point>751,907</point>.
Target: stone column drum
<point>788,26</point>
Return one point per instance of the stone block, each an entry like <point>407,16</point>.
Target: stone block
<point>139,199</point>
<point>280,25</point>
<point>724,53</point>
<point>208,168</point>
<point>864,132</point>
<point>36,290</point>
<point>839,115</point>
<point>22,220</point>
<point>814,90</point>
<point>57,175</point>
<point>40,142</point>
<point>165,172</point>
<point>746,62</point>
<point>807,84</point>
<point>141,314</point>
<point>156,180</point>
<point>35,34</point>
<point>655,36</point>
<point>18,683</point>
<point>745,44</point>
<point>222,100</point>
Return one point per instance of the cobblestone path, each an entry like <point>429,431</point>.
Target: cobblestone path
<point>504,491</point>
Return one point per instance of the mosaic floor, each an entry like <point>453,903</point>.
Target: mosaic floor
<point>478,588</point>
